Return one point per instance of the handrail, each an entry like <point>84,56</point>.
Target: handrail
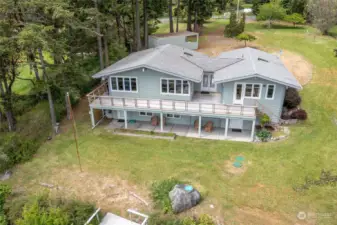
<point>175,101</point>
<point>92,216</point>
<point>174,105</point>
<point>146,217</point>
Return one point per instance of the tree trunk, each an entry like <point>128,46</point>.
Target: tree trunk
<point>245,43</point>
<point>137,24</point>
<point>5,94</point>
<point>106,50</point>
<point>50,97</point>
<point>146,29</point>
<point>195,26</point>
<point>10,120</point>
<point>170,16</point>
<point>189,16</point>
<point>269,24</point>
<point>99,39</point>
<point>178,14</point>
<point>118,24</point>
<point>33,63</point>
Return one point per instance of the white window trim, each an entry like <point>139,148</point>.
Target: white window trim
<point>244,90</point>
<point>173,116</point>
<point>266,96</point>
<point>251,97</point>
<point>182,87</point>
<point>146,114</point>
<point>110,82</point>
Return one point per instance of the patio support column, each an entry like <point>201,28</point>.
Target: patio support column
<point>161,122</point>
<point>92,117</point>
<point>126,119</point>
<point>253,131</point>
<point>226,128</point>
<point>199,128</point>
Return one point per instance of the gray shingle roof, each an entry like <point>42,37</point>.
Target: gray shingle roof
<point>165,58</point>
<point>187,64</point>
<point>255,63</point>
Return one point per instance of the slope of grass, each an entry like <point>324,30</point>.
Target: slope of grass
<point>273,169</point>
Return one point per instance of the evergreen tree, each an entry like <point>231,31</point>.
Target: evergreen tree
<point>234,27</point>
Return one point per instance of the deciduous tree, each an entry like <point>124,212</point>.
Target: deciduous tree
<point>271,11</point>
<point>323,13</point>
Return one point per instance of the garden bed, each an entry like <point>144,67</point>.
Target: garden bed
<point>142,133</point>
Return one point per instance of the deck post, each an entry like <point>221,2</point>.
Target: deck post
<point>253,130</point>
<point>92,117</point>
<point>199,128</point>
<point>126,119</point>
<point>226,128</point>
<point>161,122</point>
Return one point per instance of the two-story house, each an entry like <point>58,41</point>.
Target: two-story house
<point>188,88</point>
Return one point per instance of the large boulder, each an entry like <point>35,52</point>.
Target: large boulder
<point>183,197</point>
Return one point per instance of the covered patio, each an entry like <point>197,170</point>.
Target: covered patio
<point>186,131</point>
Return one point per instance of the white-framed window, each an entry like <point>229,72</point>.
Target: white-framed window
<point>150,114</point>
<point>270,91</point>
<point>253,90</point>
<point>175,116</point>
<point>125,84</point>
<point>174,86</point>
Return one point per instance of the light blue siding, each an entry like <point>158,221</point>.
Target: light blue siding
<point>272,107</point>
<point>148,85</point>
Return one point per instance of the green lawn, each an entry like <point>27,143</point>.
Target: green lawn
<point>22,86</point>
<point>273,168</point>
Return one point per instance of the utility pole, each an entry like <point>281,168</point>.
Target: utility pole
<point>74,130</point>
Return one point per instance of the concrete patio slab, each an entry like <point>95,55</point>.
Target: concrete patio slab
<point>166,128</point>
<point>146,126</point>
<point>180,130</point>
<point>133,126</point>
<point>115,124</point>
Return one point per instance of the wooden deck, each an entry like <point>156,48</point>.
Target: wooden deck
<point>99,99</point>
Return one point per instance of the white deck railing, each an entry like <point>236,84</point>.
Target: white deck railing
<point>98,98</point>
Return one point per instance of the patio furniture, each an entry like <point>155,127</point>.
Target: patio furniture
<point>209,126</point>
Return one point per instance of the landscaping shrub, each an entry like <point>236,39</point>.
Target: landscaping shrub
<point>43,210</point>
<point>292,98</point>
<point>5,191</point>
<point>79,212</point>
<point>35,214</point>
<point>160,193</point>
<point>265,119</point>
<point>15,149</point>
<point>264,135</point>
<point>300,114</point>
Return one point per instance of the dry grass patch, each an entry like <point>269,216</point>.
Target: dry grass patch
<point>298,66</point>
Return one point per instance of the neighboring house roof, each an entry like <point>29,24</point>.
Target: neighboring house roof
<point>190,65</point>
<point>165,58</point>
<point>255,63</point>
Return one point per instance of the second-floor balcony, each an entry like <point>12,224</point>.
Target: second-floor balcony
<point>199,105</point>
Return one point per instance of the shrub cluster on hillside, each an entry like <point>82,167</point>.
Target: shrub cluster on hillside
<point>42,210</point>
